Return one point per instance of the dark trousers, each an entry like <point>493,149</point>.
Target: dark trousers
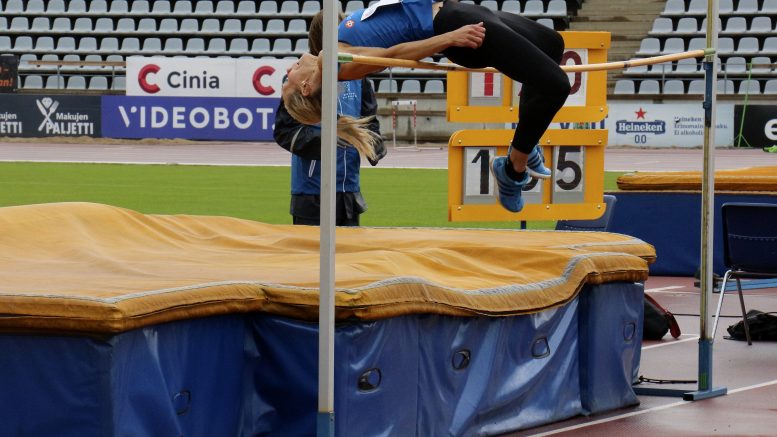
<point>306,209</point>
<point>523,50</point>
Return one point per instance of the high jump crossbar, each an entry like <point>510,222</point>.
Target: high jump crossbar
<point>425,65</point>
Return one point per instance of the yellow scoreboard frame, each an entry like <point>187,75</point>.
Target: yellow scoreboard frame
<point>576,156</point>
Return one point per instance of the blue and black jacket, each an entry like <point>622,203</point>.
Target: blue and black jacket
<point>355,98</point>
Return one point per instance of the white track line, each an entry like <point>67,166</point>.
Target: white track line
<point>662,289</point>
<point>648,410</point>
<point>670,343</point>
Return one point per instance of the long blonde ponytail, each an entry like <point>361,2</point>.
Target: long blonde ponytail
<point>354,131</point>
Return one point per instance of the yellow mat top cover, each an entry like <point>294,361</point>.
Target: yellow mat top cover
<point>741,179</point>
<point>91,268</point>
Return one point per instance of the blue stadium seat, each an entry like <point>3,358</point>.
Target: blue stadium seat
<point>125,25</point>
<point>674,7</point>
<point>119,7</point>
<point>762,24</point>
<point>289,8</point>
<point>649,86</point>
<point>33,82</point>
<point>211,26</point>
<point>533,8</point>
<point>43,44</point>
<point>98,83</point>
<point>388,86</point>
<point>203,8</point>
<point>35,7</point>
<point>76,83</point>
<point>749,87</point>
<point>674,87</point>
<point>434,86</point>
<point>513,6</point>
<point>19,24</point>
<point>735,65</point>
<point>649,47</point>
<point>182,7</point>
<point>770,87</point>
<point>238,46</point>
<point>673,45</point>
<point>310,7</point>
<point>231,26</point>
<point>747,7</point>
<point>161,7</point>
<point>140,8</point>
<point>748,46</point>
<point>56,7</point>
<point>557,8</point>
<point>96,7</point>
<point>103,25</point>
<point>152,46</point>
<point>147,25</point>
<point>246,8</point>
<point>662,26</point>
<point>411,86</point>
<point>735,25</point>
<point>687,25</point>
<point>268,8</point>
<point>624,87</point>
<point>87,45</point>
<point>83,25</point>
<point>225,8</point>
<point>253,26</point>
<point>13,7</point>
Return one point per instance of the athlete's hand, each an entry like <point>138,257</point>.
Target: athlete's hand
<point>470,36</point>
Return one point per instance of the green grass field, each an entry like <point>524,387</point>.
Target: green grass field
<point>396,197</point>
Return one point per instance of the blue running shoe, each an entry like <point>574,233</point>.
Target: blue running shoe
<point>509,190</point>
<point>535,166</point>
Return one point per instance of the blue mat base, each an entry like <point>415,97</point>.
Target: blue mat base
<point>256,374</point>
<point>671,222</point>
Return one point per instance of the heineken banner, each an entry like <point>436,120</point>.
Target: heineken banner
<point>759,127</point>
<point>9,78</point>
<point>49,116</point>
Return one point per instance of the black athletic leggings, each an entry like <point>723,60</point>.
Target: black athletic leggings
<point>522,49</point>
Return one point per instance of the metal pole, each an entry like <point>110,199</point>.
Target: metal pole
<point>326,311</point>
<point>705,389</point>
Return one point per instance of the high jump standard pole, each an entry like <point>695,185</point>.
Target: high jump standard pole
<point>705,389</point>
<point>325,426</point>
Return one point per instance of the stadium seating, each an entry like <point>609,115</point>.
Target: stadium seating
<point>214,28</point>
<point>99,29</point>
<point>746,36</point>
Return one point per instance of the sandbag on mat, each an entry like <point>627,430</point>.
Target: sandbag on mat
<point>743,179</point>
<point>83,267</point>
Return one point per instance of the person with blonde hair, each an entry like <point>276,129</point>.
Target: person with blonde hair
<point>304,142</point>
<point>469,35</point>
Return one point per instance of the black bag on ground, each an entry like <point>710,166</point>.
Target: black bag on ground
<point>658,321</point>
<point>763,327</point>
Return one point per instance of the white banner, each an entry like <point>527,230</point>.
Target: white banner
<point>205,77</point>
<point>671,124</point>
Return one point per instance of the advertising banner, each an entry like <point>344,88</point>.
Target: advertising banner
<point>9,78</point>
<point>675,124</point>
<point>197,118</point>
<point>759,127</point>
<point>49,116</point>
<point>201,77</point>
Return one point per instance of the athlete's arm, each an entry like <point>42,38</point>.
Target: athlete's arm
<point>470,36</point>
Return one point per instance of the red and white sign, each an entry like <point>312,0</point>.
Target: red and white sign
<point>205,77</point>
